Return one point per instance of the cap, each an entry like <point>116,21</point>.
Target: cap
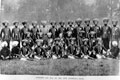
<point>106,20</point>
<point>25,22</point>
<point>5,23</point>
<point>15,23</point>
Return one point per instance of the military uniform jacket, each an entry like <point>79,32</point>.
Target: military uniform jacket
<point>61,29</point>
<point>115,33</point>
<point>6,34</point>
<point>24,32</point>
<point>57,49</point>
<point>91,43</point>
<point>34,32</point>
<point>84,49</point>
<point>106,32</point>
<point>25,50</point>
<point>72,49</point>
<point>53,31</point>
<point>87,31</point>
<point>16,34</point>
<point>99,49</point>
<point>39,50</point>
<point>77,32</point>
<point>98,31</point>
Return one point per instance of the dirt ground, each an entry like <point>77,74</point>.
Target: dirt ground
<point>77,67</point>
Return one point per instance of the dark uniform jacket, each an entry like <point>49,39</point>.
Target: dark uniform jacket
<point>5,34</point>
<point>115,33</point>
<point>34,32</point>
<point>57,50</point>
<point>106,32</point>
<point>24,32</point>
<point>39,50</point>
<point>16,34</point>
<point>54,32</point>
<point>98,31</point>
<point>87,31</point>
<point>72,49</point>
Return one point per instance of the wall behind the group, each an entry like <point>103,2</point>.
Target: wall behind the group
<point>30,10</point>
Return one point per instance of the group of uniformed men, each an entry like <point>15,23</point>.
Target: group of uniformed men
<point>62,40</point>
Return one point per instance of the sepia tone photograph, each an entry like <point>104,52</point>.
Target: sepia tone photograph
<point>60,37</point>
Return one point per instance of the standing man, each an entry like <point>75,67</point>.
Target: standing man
<point>115,40</point>
<point>78,32</point>
<point>24,30</point>
<point>53,30</point>
<point>106,33</point>
<point>57,49</point>
<point>6,33</point>
<point>16,33</point>
<point>61,29</point>
<point>115,31</point>
<point>96,28</point>
<point>87,28</point>
<point>34,31</point>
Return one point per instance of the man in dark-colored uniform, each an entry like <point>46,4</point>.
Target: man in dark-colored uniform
<point>114,50</point>
<point>87,28</point>
<point>72,48</point>
<point>50,39</point>
<point>25,49</point>
<point>92,35</point>
<point>16,33</point>
<point>39,49</point>
<point>57,50</point>
<point>29,44</point>
<point>98,49</point>
<point>39,34</point>
<point>34,31</point>
<point>61,29</point>
<point>5,51</point>
<point>70,27</point>
<point>15,51</point>
<point>45,39</point>
<point>85,47</point>
<point>69,36</point>
<point>30,40</point>
<point>24,30</point>
<point>115,31</point>
<point>53,30</point>
<point>79,32</point>
<point>97,28</point>
<point>65,31</point>
<point>92,42</point>
<point>6,33</point>
<point>106,33</point>
<point>115,40</point>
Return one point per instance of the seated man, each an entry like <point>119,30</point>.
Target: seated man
<point>114,50</point>
<point>57,50</point>
<point>15,52</point>
<point>16,33</point>
<point>85,48</point>
<point>25,50</point>
<point>38,51</point>
<point>5,52</point>
<point>99,50</point>
<point>72,48</point>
